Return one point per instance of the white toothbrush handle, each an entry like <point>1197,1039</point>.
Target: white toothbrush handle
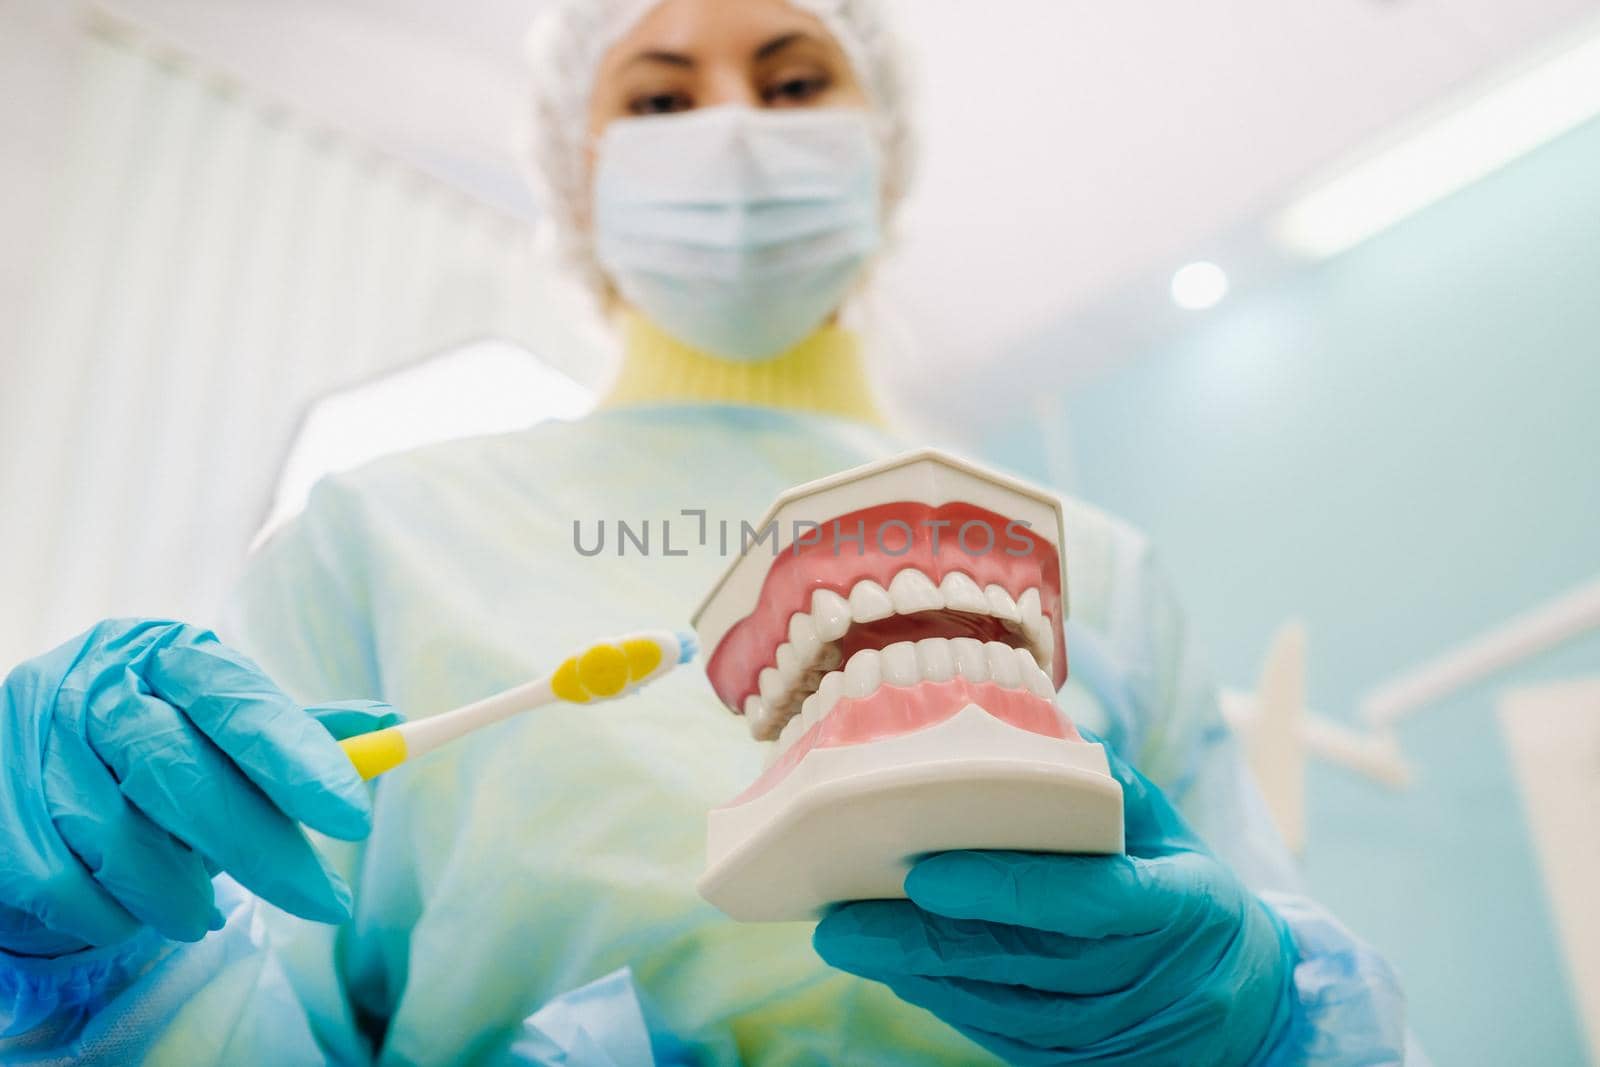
<point>601,672</point>
<point>425,735</point>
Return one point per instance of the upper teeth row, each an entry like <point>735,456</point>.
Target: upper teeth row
<point>905,663</point>
<point>810,652</point>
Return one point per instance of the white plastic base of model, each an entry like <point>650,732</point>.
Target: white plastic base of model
<point>846,822</point>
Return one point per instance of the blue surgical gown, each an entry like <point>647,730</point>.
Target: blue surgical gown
<point>528,894</point>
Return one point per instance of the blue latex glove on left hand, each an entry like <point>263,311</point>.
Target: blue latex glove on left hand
<point>142,757</point>
<point>1157,957</point>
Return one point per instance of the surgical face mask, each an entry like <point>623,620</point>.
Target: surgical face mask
<point>738,231</point>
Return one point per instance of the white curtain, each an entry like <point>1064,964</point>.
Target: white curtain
<point>217,263</point>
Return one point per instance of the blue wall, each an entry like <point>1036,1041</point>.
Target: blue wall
<point>1401,446</point>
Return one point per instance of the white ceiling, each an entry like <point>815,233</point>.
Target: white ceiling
<point>1070,147</point>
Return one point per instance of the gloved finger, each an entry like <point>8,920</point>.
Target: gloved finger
<point>47,886</point>
<point>1081,896</point>
<point>1020,1055</point>
<point>1038,1019</point>
<point>351,718</point>
<point>1027,1016</point>
<point>879,938</point>
<point>158,880</point>
<point>22,934</point>
<point>1132,1049</point>
<point>274,742</point>
<point>1151,826</point>
<point>1194,1028</point>
<point>186,786</point>
<point>1120,981</point>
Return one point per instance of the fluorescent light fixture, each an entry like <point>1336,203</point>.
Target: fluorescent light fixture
<point>1467,143</point>
<point>1199,286</point>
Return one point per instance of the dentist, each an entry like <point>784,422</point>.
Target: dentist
<point>193,873</point>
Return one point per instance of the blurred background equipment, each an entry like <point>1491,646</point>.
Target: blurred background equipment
<point>1310,292</point>
<point>1553,734</point>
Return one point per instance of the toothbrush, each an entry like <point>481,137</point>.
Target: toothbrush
<point>603,671</point>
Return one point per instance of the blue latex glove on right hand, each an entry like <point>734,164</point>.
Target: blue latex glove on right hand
<point>143,756</point>
<point>1161,956</point>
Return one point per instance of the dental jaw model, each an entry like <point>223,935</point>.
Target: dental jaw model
<point>897,638</point>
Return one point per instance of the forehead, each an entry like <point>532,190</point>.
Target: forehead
<point>711,27</point>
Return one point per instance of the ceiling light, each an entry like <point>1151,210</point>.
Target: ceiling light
<point>1454,150</point>
<point>1199,286</point>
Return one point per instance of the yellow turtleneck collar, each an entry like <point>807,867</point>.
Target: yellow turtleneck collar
<point>822,374</point>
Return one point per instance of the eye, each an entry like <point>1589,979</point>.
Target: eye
<point>659,103</point>
<point>796,90</point>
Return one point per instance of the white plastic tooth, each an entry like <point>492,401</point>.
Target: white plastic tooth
<point>870,602</point>
<point>829,692</point>
<point>791,730</point>
<point>972,662</point>
<point>811,710</point>
<point>961,593</point>
<point>772,686</point>
<point>803,636</point>
<point>788,663</point>
<point>1001,606</point>
<point>863,674</point>
<point>770,756</point>
<point>1032,614</point>
<point>899,662</point>
<point>913,591</point>
<point>1003,664</point>
<point>1043,642</point>
<point>830,614</point>
<point>1036,680</point>
<point>1028,604</point>
<point>937,661</point>
<point>764,725</point>
<point>755,714</point>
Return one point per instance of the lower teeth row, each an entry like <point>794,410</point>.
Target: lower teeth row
<point>932,659</point>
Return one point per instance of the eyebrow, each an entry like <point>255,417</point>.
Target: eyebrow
<point>778,44</point>
<point>671,59</point>
<point>678,59</point>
